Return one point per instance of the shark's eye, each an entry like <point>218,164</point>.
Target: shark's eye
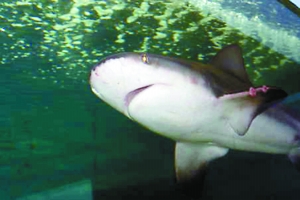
<point>145,58</point>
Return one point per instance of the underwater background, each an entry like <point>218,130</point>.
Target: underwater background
<point>59,141</point>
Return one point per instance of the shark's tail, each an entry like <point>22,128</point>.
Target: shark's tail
<point>293,99</point>
<point>293,102</point>
<point>294,156</point>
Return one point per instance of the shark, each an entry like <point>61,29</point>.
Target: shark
<point>206,109</point>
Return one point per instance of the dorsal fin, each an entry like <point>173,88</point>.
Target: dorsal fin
<point>230,59</point>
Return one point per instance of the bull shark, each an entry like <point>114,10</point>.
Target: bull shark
<point>206,109</point>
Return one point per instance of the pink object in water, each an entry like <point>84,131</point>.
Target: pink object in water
<point>252,92</point>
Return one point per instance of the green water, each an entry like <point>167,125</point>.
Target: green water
<point>54,131</point>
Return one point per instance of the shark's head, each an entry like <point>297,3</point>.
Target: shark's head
<point>148,88</point>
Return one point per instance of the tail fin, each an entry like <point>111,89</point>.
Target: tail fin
<point>294,156</point>
<point>292,99</point>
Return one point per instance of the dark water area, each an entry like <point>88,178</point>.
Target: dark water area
<point>59,141</point>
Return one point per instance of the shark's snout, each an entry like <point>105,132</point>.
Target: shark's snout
<point>113,57</point>
<point>94,68</point>
<point>95,71</point>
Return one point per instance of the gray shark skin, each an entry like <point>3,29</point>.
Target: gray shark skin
<point>205,108</point>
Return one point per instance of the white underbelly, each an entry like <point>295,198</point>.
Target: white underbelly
<point>273,131</point>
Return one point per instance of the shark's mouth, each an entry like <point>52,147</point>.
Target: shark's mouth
<point>131,95</point>
<point>96,92</point>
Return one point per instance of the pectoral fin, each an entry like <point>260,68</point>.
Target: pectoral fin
<point>241,108</point>
<point>191,160</point>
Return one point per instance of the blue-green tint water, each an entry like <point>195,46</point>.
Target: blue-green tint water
<point>58,141</point>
